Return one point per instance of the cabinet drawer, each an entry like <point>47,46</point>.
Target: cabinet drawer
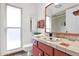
<point>35,42</point>
<point>58,53</point>
<point>36,51</point>
<point>45,48</point>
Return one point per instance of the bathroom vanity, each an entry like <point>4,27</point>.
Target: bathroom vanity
<point>45,47</point>
<point>45,50</point>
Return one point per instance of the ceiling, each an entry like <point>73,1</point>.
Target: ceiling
<point>56,9</point>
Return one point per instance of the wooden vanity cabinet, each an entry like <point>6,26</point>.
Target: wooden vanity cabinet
<point>47,49</point>
<point>58,53</point>
<point>40,49</point>
<point>45,54</point>
<point>67,54</point>
<point>36,51</point>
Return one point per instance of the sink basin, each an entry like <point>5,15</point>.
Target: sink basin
<point>52,39</point>
<point>37,36</point>
<point>55,39</point>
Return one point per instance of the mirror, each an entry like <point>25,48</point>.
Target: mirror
<point>62,18</point>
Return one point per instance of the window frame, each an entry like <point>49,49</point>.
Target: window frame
<point>14,27</point>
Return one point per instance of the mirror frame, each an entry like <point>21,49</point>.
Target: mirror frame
<point>61,33</point>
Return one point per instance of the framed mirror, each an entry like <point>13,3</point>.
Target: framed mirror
<point>62,18</point>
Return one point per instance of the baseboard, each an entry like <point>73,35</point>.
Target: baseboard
<point>11,51</point>
<point>27,47</point>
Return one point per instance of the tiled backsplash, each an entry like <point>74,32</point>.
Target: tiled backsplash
<point>67,36</point>
<point>64,35</point>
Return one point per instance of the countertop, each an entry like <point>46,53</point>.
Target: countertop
<point>72,48</point>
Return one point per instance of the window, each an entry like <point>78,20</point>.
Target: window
<point>13,27</point>
<point>48,24</point>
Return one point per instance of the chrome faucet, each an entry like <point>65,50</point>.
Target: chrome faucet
<point>50,35</point>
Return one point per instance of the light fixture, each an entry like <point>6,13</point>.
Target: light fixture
<point>58,6</point>
<point>56,3</point>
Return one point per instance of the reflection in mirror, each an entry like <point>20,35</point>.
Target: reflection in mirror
<point>58,23</point>
<point>60,18</point>
<point>48,24</point>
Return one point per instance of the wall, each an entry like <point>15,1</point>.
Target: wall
<point>41,15</point>
<point>0,29</point>
<point>27,11</point>
<point>72,21</point>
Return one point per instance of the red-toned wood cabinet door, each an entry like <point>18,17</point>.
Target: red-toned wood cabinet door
<point>67,54</point>
<point>58,53</point>
<point>46,48</point>
<point>36,51</point>
<point>45,54</point>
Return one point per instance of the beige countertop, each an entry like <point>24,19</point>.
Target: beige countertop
<point>72,49</point>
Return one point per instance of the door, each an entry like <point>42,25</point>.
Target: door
<point>13,27</point>
<point>47,49</point>
<point>45,54</point>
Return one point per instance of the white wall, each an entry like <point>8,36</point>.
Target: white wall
<point>27,11</point>
<point>0,29</point>
<point>41,15</point>
<point>72,22</point>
